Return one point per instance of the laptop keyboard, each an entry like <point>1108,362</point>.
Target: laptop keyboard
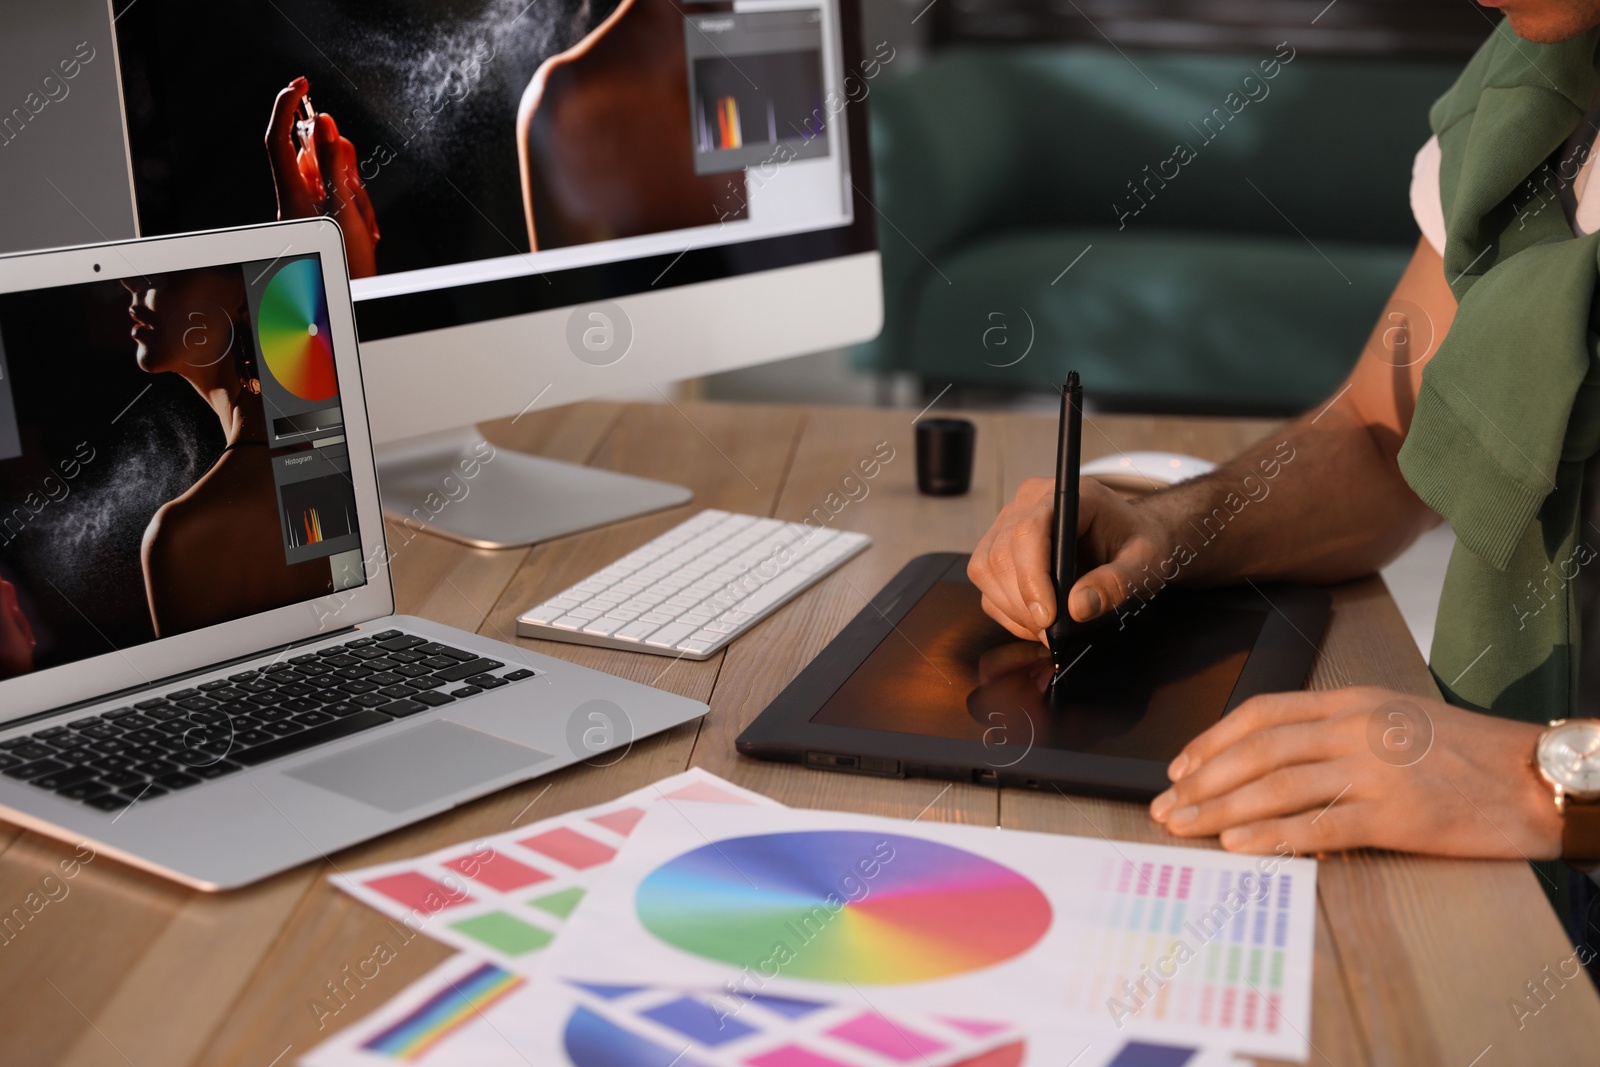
<point>183,738</point>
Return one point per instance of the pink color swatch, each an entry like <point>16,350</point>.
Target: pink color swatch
<point>570,847</point>
<point>707,791</point>
<point>497,872</point>
<point>793,1056</point>
<point>870,1030</point>
<point>974,1027</point>
<point>418,892</point>
<point>622,821</point>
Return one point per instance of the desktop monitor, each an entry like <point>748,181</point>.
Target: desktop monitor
<point>541,202</point>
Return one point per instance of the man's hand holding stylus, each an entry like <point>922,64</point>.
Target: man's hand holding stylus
<point>1117,540</point>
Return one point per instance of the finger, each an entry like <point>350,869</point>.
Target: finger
<point>1345,825</point>
<point>991,609</point>
<point>326,143</point>
<point>281,153</point>
<point>1278,794</point>
<point>1108,587</point>
<point>1257,713</point>
<point>1030,562</point>
<point>1004,588</point>
<point>1258,754</point>
<point>11,608</point>
<point>350,166</point>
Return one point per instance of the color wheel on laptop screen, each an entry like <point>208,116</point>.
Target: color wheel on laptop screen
<point>927,911</point>
<point>292,326</point>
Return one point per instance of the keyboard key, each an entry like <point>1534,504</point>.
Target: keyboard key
<point>83,790</point>
<point>406,657</point>
<point>177,780</point>
<point>358,687</point>
<point>387,635</point>
<point>414,670</point>
<point>294,689</point>
<point>669,636</point>
<point>313,718</point>
<point>253,737</point>
<point>317,735</point>
<point>76,724</point>
<point>146,737</point>
<point>121,779</point>
<point>462,671</point>
<point>363,642</point>
<point>8,760</point>
<point>283,727</point>
<point>31,750</point>
<point>466,691</point>
<point>63,778</point>
<point>486,681</point>
<point>297,707</point>
<point>148,791</point>
<point>54,731</point>
<point>155,702</point>
<point>383,678</point>
<point>341,708</point>
<point>369,700</point>
<point>212,686</point>
<point>425,683</point>
<point>183,694</point>
<point>366,653</point>
<point>108,802</point>
<point>519,675</point>
<point>440,663</point>
<point>111,763</point>
<point>214,770</point>
<point>396,692</point>
<point>35,769</point>
<point>434,700</point>
<point>637,631</point>
<point>113,716</point>
<point>155,768</point>
<point>402,708</point>
<point>401,643</point>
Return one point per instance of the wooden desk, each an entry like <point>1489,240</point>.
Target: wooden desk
<point>1417,960</point>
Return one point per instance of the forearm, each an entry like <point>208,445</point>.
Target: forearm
<point>1319,501</point>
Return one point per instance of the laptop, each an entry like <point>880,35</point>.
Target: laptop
<point>201,671</point>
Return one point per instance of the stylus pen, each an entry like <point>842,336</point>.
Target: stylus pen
<point>1064,534</point>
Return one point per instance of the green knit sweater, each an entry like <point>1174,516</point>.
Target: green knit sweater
<point>1509,410</point>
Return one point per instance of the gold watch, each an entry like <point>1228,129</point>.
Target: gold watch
<point>1567,756</point>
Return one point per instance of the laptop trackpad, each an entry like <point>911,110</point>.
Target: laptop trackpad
<point>418,766</point>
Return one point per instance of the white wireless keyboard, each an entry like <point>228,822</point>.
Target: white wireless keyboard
<point>694,588</point>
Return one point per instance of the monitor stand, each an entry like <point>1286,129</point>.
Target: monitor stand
<point>457,485</point>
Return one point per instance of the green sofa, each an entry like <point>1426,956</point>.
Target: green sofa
<point>1243,275</point>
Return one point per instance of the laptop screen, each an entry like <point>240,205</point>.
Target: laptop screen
<point>172,456</point>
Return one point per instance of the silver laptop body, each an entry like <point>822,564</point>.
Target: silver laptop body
<point>201,673</point>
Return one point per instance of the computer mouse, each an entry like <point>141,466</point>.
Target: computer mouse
<point>1145,471</point>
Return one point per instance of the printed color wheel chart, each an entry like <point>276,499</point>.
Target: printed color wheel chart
<point>843,906</point>
<point>292,324</point>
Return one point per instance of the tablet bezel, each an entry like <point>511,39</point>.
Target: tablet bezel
<point>1280,660</point>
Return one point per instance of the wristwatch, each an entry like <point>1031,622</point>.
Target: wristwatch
<point>1567,756</point>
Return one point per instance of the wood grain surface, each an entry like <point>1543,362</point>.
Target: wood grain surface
<point>1418,961</point>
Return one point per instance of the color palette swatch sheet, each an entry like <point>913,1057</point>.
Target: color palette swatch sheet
<point>1190,948</point>
<point>473,1013</point>
<point>505,897</point>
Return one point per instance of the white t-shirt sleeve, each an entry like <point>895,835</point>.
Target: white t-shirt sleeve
<point>1426,205</point>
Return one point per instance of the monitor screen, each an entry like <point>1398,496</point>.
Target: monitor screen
<point>172,456</point>
<point>511,156</point>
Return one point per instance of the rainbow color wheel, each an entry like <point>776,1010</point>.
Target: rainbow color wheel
<point>292,326</point>
<point>828,905</point>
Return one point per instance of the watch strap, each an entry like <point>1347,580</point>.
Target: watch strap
<point>1580,831</point>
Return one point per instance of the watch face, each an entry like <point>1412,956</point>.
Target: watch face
<point>1569,755</point>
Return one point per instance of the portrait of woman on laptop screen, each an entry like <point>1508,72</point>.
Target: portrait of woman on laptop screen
<point>180,459</point>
